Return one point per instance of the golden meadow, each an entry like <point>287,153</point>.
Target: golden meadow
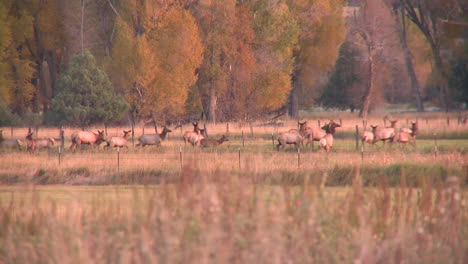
<point>242,202</point>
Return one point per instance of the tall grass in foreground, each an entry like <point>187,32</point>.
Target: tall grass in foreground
<point>235,221</point>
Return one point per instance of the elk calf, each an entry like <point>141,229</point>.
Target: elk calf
<point>119,141</point>
<point>190,134</point>
<point>210,142</point>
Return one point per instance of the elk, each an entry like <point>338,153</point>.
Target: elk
<point>87,137</point>
<point>384,134</point>
<point>153,139</point>
<point>10,143</point>
<point>326,142</point>
<point>119,141</point>
<point>210,142</point>
<point>196,138</point>
<point>34,144</point>
<point>367,137</point>
<point>309,133</point>
<point>293,137</point>
<point>194,133</point>
<point>407,134</point>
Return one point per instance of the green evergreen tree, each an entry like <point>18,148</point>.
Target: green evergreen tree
<point>85,95</point>
<point>338,91</point>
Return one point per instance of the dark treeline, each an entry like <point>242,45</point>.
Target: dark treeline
<point>85,61</point>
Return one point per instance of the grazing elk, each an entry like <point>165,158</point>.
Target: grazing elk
<point>153,139</point>
<point>87,137</point>
<point>326,142</point>
<point>10,143</point>
<point>407,135</point>
<point>119,141</point>
<point>34,144</point>
<point>211,142</point>
<point>285,138</point>
<point>384,134</point>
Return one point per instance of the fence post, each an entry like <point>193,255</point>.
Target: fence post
<point>448,121</point>
<point>36,128</point>
<point>298,158</point>
<point>62,137</point>
<point>239,158</point>
<point>11,132</point>
<point>243,144</point>
<point>272,140</point>
<point>118,159</point>
<point>180,157</point>
<point>251,129</point>
<point>357,137</point>
<point>59,156</point>
<point>105,128</point>
<point>227,128</point>
<point>362,153</point>
<point>435,145</point>
<point>133,133</point>
<point>318,122</point>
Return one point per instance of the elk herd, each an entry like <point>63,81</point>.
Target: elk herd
<point>199,137</point>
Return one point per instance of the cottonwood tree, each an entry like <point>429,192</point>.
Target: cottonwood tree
<point>321,34</point>
<point>366,26</point>
<point>401,26</point>
<point>153,61</point>
<point>425,15</point>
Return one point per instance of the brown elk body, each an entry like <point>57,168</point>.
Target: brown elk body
<point>287,138</point>
<point>153,139</point>
<point>10,143</point>
<point>119,141</point>
<point>211,142</point>
<point>86,137</point>
<point>384,134</point>
<point>34,144</point>
<point>196,138</point>
<point>310,133</point>
<point>189,134</point>
<point>326,142</point>
<point>407,135</point>
<point>367,137</point>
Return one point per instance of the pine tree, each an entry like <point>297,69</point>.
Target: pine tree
<point>85,95</point>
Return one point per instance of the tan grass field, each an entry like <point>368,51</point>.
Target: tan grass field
<point>242,202</point>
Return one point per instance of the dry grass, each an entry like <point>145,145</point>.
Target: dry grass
<point>208,209</point>
<point>234,222</point>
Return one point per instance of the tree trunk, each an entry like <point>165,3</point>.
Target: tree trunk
<point>294,103</point>
<point>441,76</point>
<point>370,87</point>
<point>213,100</point>
<point>409,63</point>
<point>294,96</point>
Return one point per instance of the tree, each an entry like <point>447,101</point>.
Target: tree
<point>153,61</point>
<point>321,34</point>
<point>425,15</point>
<point>367,25</point>
<point>340,89</point>
<point>85,95</point>
<point>401,30</point>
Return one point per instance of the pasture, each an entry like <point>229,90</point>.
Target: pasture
<point>242,201</point>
